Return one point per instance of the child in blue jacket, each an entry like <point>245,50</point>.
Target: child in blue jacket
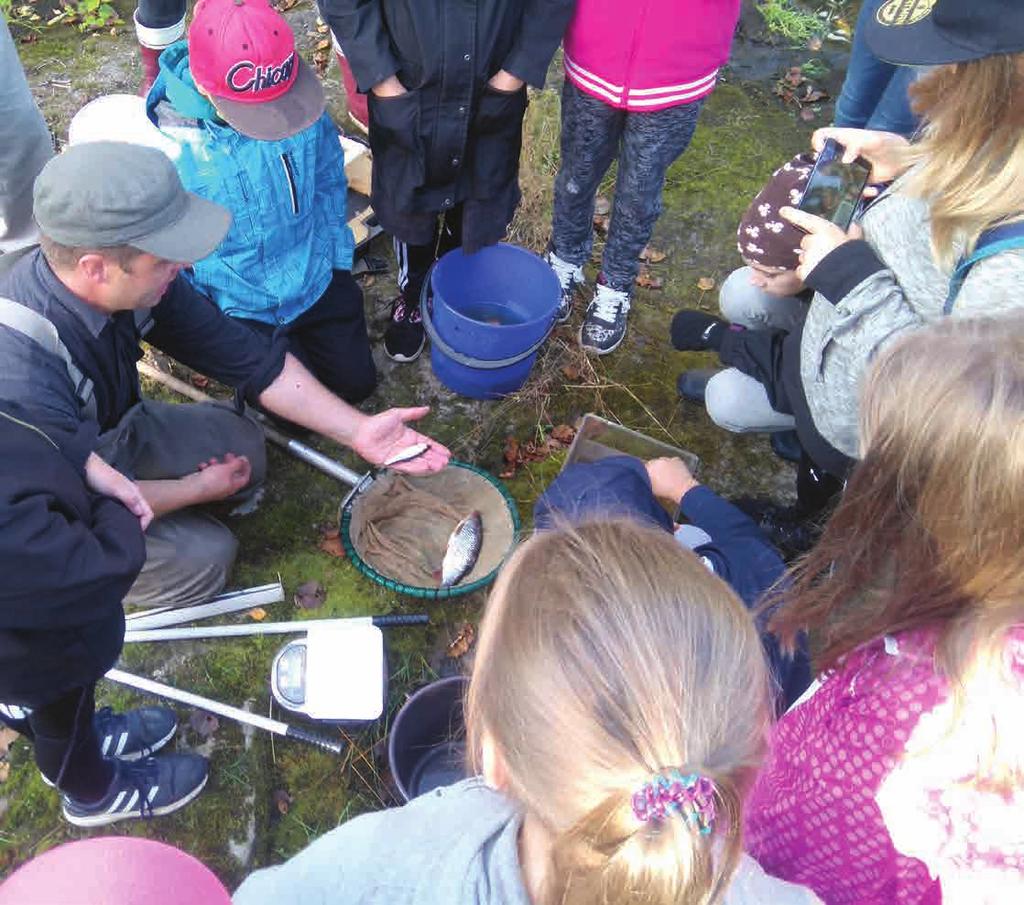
<point>248,118</point>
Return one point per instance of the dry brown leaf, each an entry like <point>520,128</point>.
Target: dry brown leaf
<point>310,595</point>
<point>563,434</point>
<point>645,280</point>
<point>322,27</point>
<point>653,255</point>
<point>570,372</point>
<point>258,614</point>
<point>282,6</point>
<point>7,737</point>
<point>705,284</point>
<point>462,643</point>
<point>511,458</point>
<point>330,543</point>
<point>602,206</point>
<point>205,724</point>
<point>282,801</point>
<point>199,381</point>
<point>5,771</point>
<point>324,44</point>
<point>602,222</point>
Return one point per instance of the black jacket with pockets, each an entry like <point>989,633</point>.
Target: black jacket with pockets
<point>450,138</point>
<point>68,556</point>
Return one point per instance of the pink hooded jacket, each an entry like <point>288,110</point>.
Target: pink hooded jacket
<point>643,55</point>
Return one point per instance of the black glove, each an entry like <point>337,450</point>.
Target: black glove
<point>695,331</point>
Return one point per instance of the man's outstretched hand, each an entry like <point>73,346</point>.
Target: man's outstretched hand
<point>384,435</point>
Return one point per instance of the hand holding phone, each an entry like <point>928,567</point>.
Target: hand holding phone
<point>834,188</point>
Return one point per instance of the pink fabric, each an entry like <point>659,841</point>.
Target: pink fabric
<point>816,815</point>
<point>645,55</point>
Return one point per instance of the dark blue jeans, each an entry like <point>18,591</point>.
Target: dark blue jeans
<point>874,95</point>
<point>646,144</point>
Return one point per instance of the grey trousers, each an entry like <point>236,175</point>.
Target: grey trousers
<point>25,147</point>
<point>189,554</point>
<point>734,400</point>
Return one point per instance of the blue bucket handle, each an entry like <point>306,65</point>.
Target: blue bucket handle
<point>483,364</point>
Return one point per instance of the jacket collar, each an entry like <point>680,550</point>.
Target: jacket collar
<point>94,321</point>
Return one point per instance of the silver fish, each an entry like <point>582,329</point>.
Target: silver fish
<point>463,549</point>
<point>407,454</point>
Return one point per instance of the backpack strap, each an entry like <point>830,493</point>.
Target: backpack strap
<point>991,242</point>
<point>41,331</point>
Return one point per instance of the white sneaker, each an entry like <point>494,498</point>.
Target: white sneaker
<point>604,324</point>
<point>570,276</point>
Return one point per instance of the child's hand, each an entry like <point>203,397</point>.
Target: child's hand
<point>221,478</point>
<point>885,151</point>
<point>670,478</point>
<point>823,237</point>
<point>103,478</point>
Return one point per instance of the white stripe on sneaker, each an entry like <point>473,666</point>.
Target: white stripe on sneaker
<point>121,743</point>
<point>132,801</point>
<point>117,802</point>
<point>105,747</point>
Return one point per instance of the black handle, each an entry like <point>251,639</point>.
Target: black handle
<point>397,619</point>
<point>314,738</point>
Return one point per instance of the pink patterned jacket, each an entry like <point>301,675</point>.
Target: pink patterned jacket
<point>869,793</point>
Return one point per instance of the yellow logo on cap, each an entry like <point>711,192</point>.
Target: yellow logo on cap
<point>903,12</point>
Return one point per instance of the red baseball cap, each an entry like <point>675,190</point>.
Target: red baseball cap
<point>242,53</point>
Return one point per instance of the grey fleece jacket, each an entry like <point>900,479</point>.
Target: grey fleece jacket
<point>867,293</point>
<point>455,846</point>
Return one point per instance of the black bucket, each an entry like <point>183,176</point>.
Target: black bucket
<point>427,745</point>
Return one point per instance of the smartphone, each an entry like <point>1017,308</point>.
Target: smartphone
<point>834,188</point>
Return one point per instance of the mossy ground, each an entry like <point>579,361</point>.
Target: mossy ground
<point>236,824</point>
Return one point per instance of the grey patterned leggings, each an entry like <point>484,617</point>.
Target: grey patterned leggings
<point>646,144</point>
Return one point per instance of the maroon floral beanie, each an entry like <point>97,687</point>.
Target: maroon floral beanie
<point>763,236</point>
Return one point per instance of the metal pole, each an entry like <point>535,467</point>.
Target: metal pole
<point>268,628</point>
<point>225,710</point>
<point>232,602</point>
<point>306,453</point>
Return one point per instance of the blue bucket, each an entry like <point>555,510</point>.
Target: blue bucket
<point>491,312</point>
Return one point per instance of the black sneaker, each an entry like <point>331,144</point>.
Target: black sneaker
<point>136,733</point>
<point>147,788</point>
<point>604,324</point>
<point>791,531</point>
<point>404,337</point>
<point>570,277</point>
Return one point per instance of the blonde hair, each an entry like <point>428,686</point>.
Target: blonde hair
<point>930,529</point>
<point>609,654</point>
<point>971,155</point>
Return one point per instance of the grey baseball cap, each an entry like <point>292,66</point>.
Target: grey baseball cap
<point>106,193</point>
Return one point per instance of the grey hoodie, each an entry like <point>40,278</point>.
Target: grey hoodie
<point>869,293</point>
<point>454,846</point>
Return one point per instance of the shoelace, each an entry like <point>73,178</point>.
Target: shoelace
<point>143,775</point>
<point>567,273</point>
<point>608,302</point>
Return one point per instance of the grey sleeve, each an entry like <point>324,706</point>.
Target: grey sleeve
<point>993,286</point>
<point>25,147</point>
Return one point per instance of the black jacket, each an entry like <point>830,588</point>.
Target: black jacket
<point>68,558</point>
<point>451,138</point>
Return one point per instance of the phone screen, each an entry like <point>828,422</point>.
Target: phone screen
<point>834,188</point>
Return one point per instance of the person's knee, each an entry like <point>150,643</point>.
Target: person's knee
<point>736,297</point>
<point>210,558</point>
<point>723,399</point>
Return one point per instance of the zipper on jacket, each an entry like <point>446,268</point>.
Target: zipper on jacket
<point>290,179</point>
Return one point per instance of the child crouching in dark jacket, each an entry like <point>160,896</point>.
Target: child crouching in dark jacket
<point>70,549</point>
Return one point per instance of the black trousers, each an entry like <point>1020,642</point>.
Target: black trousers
<point>330,339</point>
<point>414,261</point>
<point>67,750</point>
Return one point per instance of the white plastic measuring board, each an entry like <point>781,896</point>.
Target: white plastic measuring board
<point>344,673</point>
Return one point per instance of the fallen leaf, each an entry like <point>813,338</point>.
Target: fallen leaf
<point>322,27</point>
<point>199,381</point>
<point>330,543</point>
<point>310,595</point>
<point>5,771</point>
<point>795,76</point>
<point>812,95</point>
<point>602,222</point>
<point>282,801</point>
<point>570,372</point>
<point>645,280</point>
<point>510,457</point>
<point>462,643</point>
<point>205,724</point>
<point>602,206</point>
<point>7,737</point>
<point>324,44</point>
<point>653,255</point>
<point>563,434</point>
<point>705,284</point>
<point>815,44</point>
<point>806,114</point>
<point>282,6</point>
<point>258,614</point>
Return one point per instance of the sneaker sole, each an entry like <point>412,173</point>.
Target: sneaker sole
<point>107,819</point>
<point>156,746</point>
<point>593,349</point>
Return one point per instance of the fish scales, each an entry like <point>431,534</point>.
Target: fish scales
<point>463,549</point>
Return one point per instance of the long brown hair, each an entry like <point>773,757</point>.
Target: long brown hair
<point>609,654</point>
<point>930,529</point>
<point>971,156</point>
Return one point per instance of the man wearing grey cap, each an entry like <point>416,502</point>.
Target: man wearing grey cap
<point>117,228</point>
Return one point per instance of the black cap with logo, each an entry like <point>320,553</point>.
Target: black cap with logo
<point>937,32</point>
